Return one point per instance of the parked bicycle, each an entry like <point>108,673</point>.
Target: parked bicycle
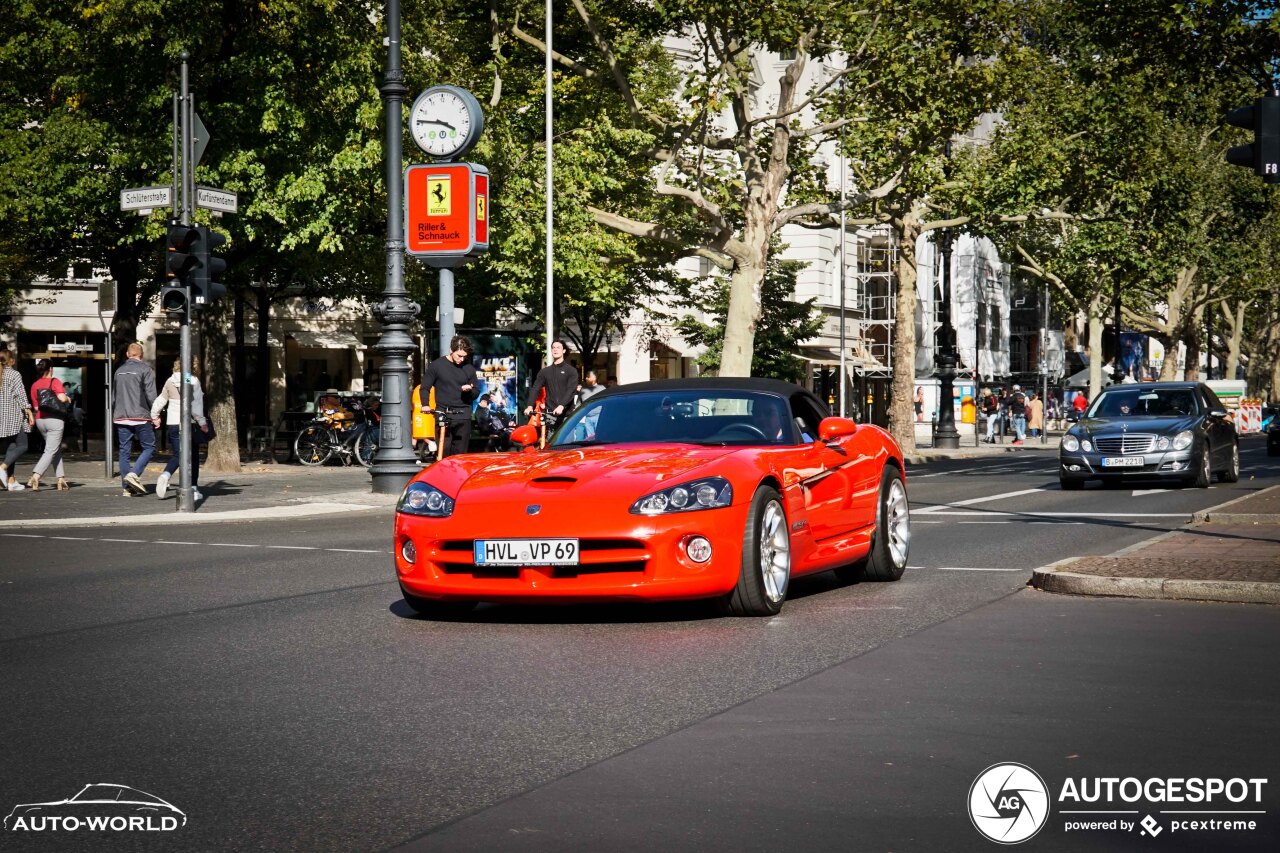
<point>347,435</point>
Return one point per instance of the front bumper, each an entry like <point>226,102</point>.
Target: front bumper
<point>1157,465</point>
<point>636,558</point>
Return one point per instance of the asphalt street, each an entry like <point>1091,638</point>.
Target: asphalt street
<point>265,678</point>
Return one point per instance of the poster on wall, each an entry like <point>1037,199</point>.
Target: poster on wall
<point>496,376</point>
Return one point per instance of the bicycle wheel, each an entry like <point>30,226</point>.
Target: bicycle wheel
<point>367,446</point>
<point>313,446</point>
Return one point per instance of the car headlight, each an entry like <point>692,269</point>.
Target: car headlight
<point>1162,443</point>
<point>1086,445</point>
<point>1070,443</point>
<point>1183,440</point>
<point>425,499</point>
<point>708,493</point>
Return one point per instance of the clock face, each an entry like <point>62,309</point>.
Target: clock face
<point>443,123</point>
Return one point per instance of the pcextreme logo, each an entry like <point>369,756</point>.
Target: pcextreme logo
<point>101,807</point>
<point>1009,803</point>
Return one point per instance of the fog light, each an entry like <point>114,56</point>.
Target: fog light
<point>1073,467</point>
<point>408,552</point>
<point>698,549</point>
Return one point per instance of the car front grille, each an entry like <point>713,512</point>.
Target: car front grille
<point>599,556</point>
<point>1128,444</point>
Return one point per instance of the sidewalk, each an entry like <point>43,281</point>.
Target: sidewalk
<point>258,491</point>
<point>1228,553</point>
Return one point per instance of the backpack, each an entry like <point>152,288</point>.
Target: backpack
<point>50,405</point>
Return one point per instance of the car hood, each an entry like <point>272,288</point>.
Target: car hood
<point>629,471</point>
<point>1117,426</point>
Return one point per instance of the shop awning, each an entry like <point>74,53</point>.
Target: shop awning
<point>823,356</point>
<point>334,339</point>
<point>251,338</point>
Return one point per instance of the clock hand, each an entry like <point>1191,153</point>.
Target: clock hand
<point>435,121</point>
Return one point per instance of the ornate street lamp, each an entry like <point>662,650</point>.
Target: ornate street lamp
<point>945,357</point>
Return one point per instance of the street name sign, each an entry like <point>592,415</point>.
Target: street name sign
<point>146,198</point>
<point>223,201</point>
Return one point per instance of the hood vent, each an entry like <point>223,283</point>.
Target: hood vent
<point>553,481</point>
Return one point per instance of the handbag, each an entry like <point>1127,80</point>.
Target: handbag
<point>50,405</point>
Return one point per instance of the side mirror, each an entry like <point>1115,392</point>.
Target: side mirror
<point>524,436</point>
<point>833,428</point>
<point>1217,413</point>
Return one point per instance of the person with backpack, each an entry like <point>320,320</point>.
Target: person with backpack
<point>52,406</point>
<point>1017,409</point>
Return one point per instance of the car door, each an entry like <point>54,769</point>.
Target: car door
<point>835,496</point>
<point>1219,430</point>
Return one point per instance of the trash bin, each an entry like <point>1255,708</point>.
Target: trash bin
<point>968,410</point>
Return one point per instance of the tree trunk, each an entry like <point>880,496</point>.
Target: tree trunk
<point>1097,313</point>
<point>219,395</point>
<point>744,308</point>
<point>1235,336</point>
<point>902,418</point>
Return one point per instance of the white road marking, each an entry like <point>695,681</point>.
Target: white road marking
<point>164,542</point>
<point>355,551</point>
<point>985,522</point>
<point>215,544</point>
<point>984,499</point>
<point>25,535</point>
<point>1103,515</point>
<point>293,547</point>
<point>72,538</point>
<point>231,545</point>
<point>966,569</point>
<point>122,540</point>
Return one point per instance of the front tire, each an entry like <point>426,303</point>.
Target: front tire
<point>1203,472</point>
<point>313,446</point>
<point>1232,472</point>
<point>891,540</point>
<point>765,573</point>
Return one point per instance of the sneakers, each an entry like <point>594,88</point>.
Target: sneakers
<point>1017,441</point>
<point>196,497</point>
<point>162,484</point>
<point>14,485</point>
<point>133,484</point>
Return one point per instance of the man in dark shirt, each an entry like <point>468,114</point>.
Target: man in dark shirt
<point>454,378</point>
<point>560,380</point>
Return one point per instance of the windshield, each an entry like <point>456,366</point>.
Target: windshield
<point>1141,402</point>
<point>718,417</point>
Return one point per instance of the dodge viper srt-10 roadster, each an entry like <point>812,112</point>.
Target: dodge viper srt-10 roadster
<point>712,488</point>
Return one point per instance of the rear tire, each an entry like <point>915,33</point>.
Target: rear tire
<point>433,609</point>
<point>313,446</point>
<point>367,446</point>
<point>1232,473</point>
<point>765,572</point>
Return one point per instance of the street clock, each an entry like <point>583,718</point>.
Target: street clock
<point>446,121</point>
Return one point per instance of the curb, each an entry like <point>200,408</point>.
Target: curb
<point>1055,580</point>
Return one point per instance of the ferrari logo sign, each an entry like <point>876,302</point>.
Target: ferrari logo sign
<point>438,197</point>
<point>446,212</point>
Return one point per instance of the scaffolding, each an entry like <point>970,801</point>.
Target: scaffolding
<point>875,261</point>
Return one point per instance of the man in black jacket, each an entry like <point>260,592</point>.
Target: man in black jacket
<point>561,381</point>
<point>454,378</point>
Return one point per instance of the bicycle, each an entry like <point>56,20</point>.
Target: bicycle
<point>325,438</point>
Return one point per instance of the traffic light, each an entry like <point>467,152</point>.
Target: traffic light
<point>1263,156</point>
<point>181,256</point>
<point>173,298</point>
<point>208,267</point>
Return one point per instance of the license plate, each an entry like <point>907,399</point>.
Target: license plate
<point>526,552</point>
<point>1123,461</point>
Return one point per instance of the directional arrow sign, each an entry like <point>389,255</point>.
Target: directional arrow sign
<point>222,201</point>
<point>200,136</point>
<point>146,198</point>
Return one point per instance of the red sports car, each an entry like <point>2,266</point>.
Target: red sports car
<point>675,489</point>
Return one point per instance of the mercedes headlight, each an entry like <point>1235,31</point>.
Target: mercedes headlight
<point>1070,443</point>
<point>1162,443</point>
<point>707,493</point>
<point>425,499</point>
<point>1087,445</point>
<point>1183,440</point>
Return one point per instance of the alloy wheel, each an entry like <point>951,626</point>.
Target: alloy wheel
<point>775,552</point>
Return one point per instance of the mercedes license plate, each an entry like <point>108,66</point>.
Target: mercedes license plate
<point>1122,461</point>
<point>526,552</point>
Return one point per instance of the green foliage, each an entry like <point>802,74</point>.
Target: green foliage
<point>784,323</point>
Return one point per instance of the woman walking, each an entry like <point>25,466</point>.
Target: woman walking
<point>16,418</point>
<point>170,401</point>
<point>50,424</point>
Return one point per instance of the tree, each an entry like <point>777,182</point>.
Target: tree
<point>784,323</point>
